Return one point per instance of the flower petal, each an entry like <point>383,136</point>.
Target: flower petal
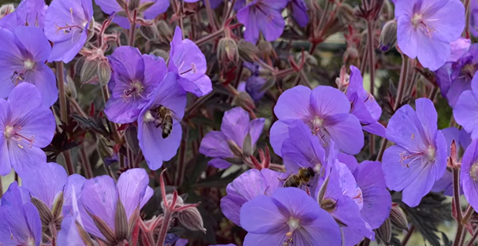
<point>326,100</point>
<point>466,112</point>
<point>262,215</point>
<point>278,134</point>
<point>131,187</point>
<point>214,144</point>
<point>294,103</point>
<point>345,130</point>
<point>235,125</point>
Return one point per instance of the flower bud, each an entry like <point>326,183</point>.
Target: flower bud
<point>398,218</point>
<point>71,88</point>
<point>149,32</point>
<point>227,51</point>
<point>388,37</point>
<point>384,232</point>
<point>133,5</point>
<point>247,51</point>
<point>89,70</point>
<point>169,199</point>
<point>6,9</point>
<point>104,72</point>
<point>160,53</point>
<point>345,14</point>
<point>145,6</point>
<point>244,100</point>
<point>191,219</point>
<point>265,48</point>
<point>165,32</point>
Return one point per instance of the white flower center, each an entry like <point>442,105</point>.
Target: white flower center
<point>293,224</point>
<point>417,20</point>
<point>9,132</point>
<point>29,64</point>
<point>431,153</point>
<point>474,171</point>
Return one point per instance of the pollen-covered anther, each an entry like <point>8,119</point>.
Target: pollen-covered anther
<point>474,171</point>
<point>417,19</point>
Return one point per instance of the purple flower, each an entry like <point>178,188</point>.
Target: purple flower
<point>455,77</point>
<point>262,16</point>
<point>374,197</point>
<point>364,106</point>
<point>132,83</point>
<point>298,10</point>
<point>28,13</point>
<point>157,148</point>
<point>469,174</point>
<point>466,109</point>
<point>462,140</point>
<point>23,53</point>
<point>214,3</point>
<point>419,157</point>
<point>27,127</point>
<point>66,25</point>
<point>474,18</point>
<point>38,182</point>
<point>189,63</point>
<point>458,48</point>
<point>289,217</point>
<point>132,191</point>
<point>246,187</point>
<point>325,110</point>
<point>111,7</point>
<point>19,219</point>
<point>230,141</point>
<point>303,150</point>
<point>427,27</point>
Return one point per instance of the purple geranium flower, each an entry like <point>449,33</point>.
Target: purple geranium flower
<point>111,7</point>
<point>38,183</point>
<point>27,127</point>
<point>134,79</point>
<point>325,110</point>
<point>157,148</point>
<point>229,142</point>
<point>66,25</point>
<point>247,186</point>
<point>364,106</point>
<point>466,109</point>
<point>189,63</point>
<point>28,13</point>
<point>462,140</point>
<point>455,77</point>
<point>19,219</point>
<point>343,200</point>
<point>289,217</point>
<point>374,197</point>
<point>419,157</point>
<point>298,10</point>
<point>427,27</point>
<point>262,16</point>
<point>469,174</point>
<point>132,190</point>
<point>255,85</point>
<point>23,53</point>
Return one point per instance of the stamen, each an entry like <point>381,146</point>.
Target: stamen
<point>404,157</point>
<point>474,171</point>
<point>192,69</point>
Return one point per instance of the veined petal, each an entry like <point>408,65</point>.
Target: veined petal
<point>466,113</point>
<point>294,103</point>
<point>278,134</point>
<point>235,125</point>
<point>345,130</point>
<point>262,215</point>
<point>24,157</point>
<point>131,187</point>
<point>214,144</point>
<point>326,100</point>
<point>406,34</point>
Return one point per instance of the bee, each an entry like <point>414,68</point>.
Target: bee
<point>164,119</point>
<point>304,175</point>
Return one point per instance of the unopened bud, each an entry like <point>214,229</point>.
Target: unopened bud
<point>79,65</point>
<point>133,4</point>
<point>388,37</point>
<point>160,53</point>
<point>104,72</point>
<point>247,51</point>
<point>89,70</point>
<point>345,14</point>
<point>145,6</point>
<point>398,218</point>
<point>265,48</point>
<point>227,51</point>
<point>71,88</point>
<point>169,200</point>
<point>244,100</point>
<point>164,29</point>
<point>191,219</point>
<point>6,9</point>
<point>384,232</point>
<point>149,32</point>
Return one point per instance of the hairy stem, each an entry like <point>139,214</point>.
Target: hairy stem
<point>473,238</point>
<point>210,37</point>
<point>210,16</point>
<point>86,163</point>
<point>456,199</point>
